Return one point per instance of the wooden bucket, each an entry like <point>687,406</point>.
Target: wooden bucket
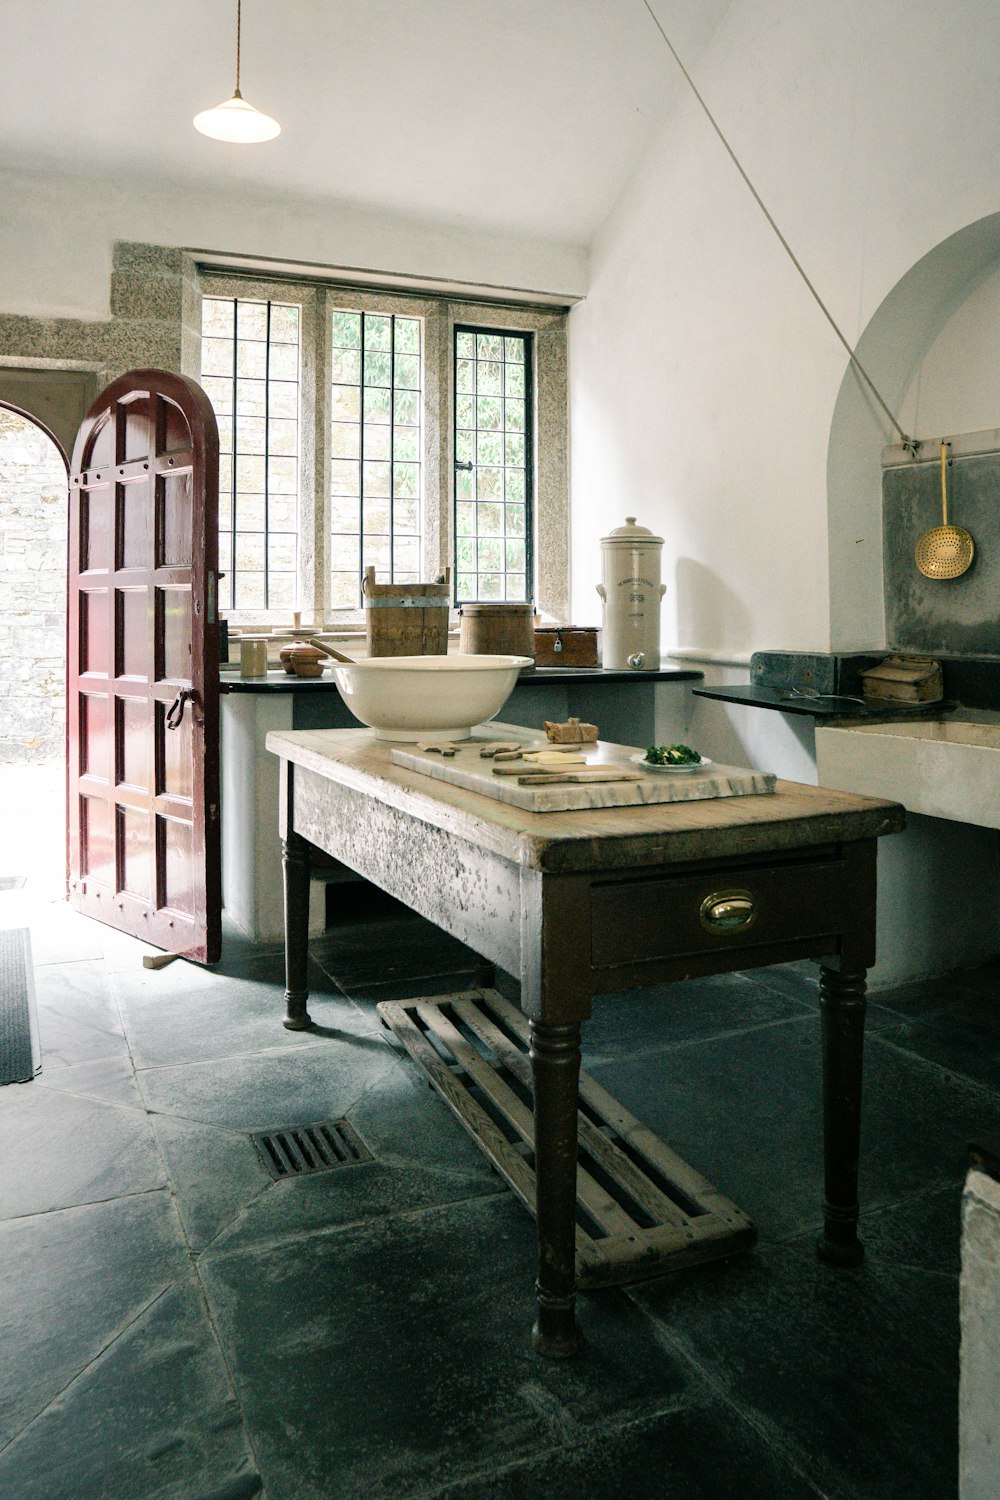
<point>407,619</point>
<point>497,630</point>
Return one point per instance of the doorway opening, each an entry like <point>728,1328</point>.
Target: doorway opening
<point>33,508</point>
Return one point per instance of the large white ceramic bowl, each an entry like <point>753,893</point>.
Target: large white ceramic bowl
<point>418,697</point>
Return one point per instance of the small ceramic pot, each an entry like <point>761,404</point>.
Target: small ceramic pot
<point>302,660</point>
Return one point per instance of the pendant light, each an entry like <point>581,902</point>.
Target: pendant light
<point>235,120</point>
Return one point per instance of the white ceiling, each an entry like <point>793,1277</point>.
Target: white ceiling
<point>521,116</point>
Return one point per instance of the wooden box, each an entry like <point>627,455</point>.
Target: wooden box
<point>905,679</point>
<point>497,629</point>
<point>565,646</point>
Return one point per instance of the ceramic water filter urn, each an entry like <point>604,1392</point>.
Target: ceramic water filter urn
<point>631,591</point>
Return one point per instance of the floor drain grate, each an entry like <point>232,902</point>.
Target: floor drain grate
<point>295,1150</point>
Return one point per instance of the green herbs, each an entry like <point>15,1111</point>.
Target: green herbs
<point>672,755</point>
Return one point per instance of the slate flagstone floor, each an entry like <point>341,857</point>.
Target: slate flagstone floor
<point>176,1326</point>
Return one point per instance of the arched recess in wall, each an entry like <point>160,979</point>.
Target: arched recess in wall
<point>33,507</point>
<point>891,349</point>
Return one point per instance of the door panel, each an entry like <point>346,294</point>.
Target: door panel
<point>143,710</point>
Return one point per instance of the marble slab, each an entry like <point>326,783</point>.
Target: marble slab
<point>469,770</point>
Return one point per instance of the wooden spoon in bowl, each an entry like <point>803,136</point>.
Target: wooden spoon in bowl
<point>329,651</point>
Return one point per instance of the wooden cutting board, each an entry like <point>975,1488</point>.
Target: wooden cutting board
<point>467,769</point>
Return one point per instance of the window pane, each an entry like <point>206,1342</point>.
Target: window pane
<point>344,590</point>
<point>493,498</point>
<point>344,477</point>
<point>251,359</point>
<point>251,436</point>
<point>513,380</point>
<point>345,440</point>
<point>217,317</point>
<point>378,441</point>
<point>345,515</point>
<point>405,517</point>
<point>378,369</point>
<point>490,519</point>
<point>251,398</point>
<point>489,378</point>
<point>284,324</point>
<point>377,404</point>
<point>378,331</point>
<point>251,321</point>
<point>345,366</point>
<point>514,416</point>
<point>283,363</point>
<point>282,591</point>
<point>407,407</point>
<point>406,444</point>
<point>216,356</point>
<point>407,336</point>
<point>282,437</point>
<point>344,554</point>
<point>347,330</point>
<point>407,372</point>
<point>345,403</point>
<point>281,552</point>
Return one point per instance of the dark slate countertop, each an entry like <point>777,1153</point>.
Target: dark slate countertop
<point>827,709</point>
<point>278,681</point>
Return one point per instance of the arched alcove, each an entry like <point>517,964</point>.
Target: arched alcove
<point>891,348</point>
<point>33,499</point>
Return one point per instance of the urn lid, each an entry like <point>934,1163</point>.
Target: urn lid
<point>631,535</point>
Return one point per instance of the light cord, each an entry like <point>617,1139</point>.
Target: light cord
<point>910,444</point>
<point>239,18</point>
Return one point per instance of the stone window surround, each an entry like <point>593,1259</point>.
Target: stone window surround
<point>318,300</point>
<point>155,299</point>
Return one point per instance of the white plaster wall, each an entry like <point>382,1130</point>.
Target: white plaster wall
<point>57,233</point>
<point>703,377</point>
<point>956,387</point>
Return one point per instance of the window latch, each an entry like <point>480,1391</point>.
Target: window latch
<point>460,465</point>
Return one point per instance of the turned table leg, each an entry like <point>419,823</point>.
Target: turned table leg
<point>295,871</point>
<point>555,1066</point>
<point>842,1007</point>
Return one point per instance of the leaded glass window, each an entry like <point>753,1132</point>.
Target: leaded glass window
<point>493,438</point>
<point>376,417</point>
<point>250,372</point>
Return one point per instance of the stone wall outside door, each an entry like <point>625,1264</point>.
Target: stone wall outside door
<point>33,483</point>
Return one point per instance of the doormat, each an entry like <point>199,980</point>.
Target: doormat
<point>640,1210</point>
<point>19,1051</point>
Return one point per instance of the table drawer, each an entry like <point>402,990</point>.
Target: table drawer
<point>755,906</point>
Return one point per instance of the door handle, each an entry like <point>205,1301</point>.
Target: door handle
<point>175,712</point>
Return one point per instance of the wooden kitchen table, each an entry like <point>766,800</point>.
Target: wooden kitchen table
<point>588,902</point>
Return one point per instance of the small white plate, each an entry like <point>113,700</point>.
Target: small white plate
<point>702,765</point>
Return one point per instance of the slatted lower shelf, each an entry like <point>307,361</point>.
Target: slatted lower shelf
<point>641,1210</point>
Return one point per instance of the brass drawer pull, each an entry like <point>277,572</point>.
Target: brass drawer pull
<point>727,911</point>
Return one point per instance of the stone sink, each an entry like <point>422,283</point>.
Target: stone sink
<point>943,768</point>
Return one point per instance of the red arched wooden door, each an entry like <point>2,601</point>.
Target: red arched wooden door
<point>143,664</point>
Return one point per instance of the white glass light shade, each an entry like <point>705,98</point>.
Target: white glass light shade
<point>236,120</point>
